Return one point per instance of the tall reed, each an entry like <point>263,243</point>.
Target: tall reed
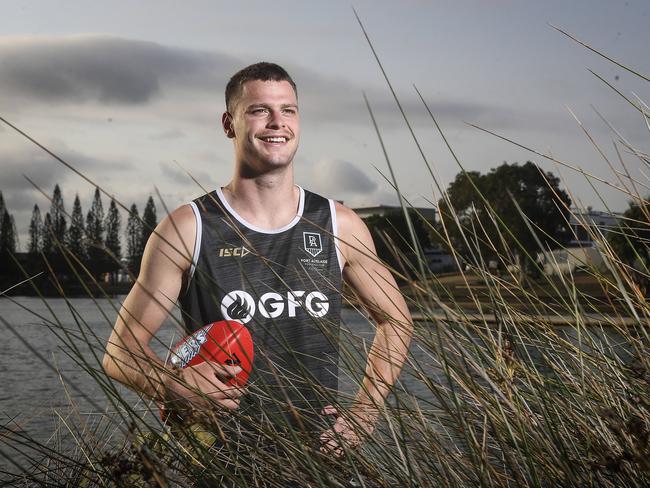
<point>507,384</point>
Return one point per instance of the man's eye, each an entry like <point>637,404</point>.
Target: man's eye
<point>290,111</point>
<point>259,111</point>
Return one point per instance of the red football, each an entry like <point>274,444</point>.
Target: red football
<point>225,342</point>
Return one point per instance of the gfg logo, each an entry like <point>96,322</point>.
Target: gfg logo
<point>241,306</point>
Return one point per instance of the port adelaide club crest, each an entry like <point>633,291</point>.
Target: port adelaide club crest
<point>312,244</point>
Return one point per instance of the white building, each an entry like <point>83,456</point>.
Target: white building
<point>589,223</point>
<point>588,228</point>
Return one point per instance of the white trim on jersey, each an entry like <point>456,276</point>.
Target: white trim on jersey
<point>241,220</point>
<point>335,233</point>
<point>197,240</point>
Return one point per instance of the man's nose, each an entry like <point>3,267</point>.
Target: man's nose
<point>275,120</point>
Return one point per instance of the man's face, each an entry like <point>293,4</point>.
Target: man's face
<point>265,124</point>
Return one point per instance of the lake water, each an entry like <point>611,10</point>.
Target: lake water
<point>34,391</point>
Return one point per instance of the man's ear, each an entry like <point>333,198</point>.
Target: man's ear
<point>228,128</point>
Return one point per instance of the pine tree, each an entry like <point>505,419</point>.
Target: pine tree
<point>134,232</point>
<point>112,225</point>
<point>149,222</point>
<point>48,241</point>
<point>57,215</point>
<point>2,212</point>
<point>36,232</point>
<point>15,232</point>
<point>95,220</point>
<point>76,237</point>
<point>95,234</point>
<point>7,234</point>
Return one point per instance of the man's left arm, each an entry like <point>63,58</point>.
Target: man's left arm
<point>375,287</point>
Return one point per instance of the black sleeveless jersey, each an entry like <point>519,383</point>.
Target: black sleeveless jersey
<point>283,284</point>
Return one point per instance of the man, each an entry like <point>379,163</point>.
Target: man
<point>270,254</point>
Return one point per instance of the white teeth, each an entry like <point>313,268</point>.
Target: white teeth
<point>275,139</point>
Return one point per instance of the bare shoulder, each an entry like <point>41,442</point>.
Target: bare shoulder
<point>348,221</point>
<point>173,239</point>
<point>180,223</point>
<point>371,281</point>
<point>354,236</point>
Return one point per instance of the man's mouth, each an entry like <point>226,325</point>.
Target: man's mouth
<point>274,139</point>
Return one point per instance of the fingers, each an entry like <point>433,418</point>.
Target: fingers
<point>227,403</point>
<point>211,368</point>
<point>201,384</point>
<point>330,446</point>
<point>212,375</point>
<point>329,410</point>
<point>225,392</point>
<point>216,389</point>
<point>225,371</point>
<point>341,434</point>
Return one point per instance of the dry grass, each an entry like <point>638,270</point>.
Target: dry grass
<point>501,396</point>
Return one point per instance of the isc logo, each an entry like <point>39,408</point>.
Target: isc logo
<point>238,252</point>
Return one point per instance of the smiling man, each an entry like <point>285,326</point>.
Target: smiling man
<point>267,253</point>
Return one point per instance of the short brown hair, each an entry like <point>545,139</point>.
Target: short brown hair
<point>259,71</point>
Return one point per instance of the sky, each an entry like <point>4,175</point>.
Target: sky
<point>130,94</point>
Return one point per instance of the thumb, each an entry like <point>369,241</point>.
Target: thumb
<point>329,410</point>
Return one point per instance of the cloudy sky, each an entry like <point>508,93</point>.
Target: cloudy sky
<point>131,93</point>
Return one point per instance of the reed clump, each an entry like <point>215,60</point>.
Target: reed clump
<point>518,385</point>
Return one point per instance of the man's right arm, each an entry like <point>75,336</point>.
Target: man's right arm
<point>129,358</point>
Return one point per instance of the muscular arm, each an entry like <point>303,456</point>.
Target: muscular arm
<point>375,286</point>
<point>129,358</point>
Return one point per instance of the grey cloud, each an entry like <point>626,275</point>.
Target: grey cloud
<point>338,178</point>
<point>19,194</point>
<point>173,173</point>
<point>103,69</point>
<point>449,113</point>
<point>38,166</point>
<point>110,70</point>
<point>342,102</point>
<point>349,177</point>
<point>177,175</point>
<point>90,166</point>
<point>45,172</point>
<point>342,180</point>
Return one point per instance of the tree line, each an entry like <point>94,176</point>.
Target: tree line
<point>506,215</point>
<point>62,241</point>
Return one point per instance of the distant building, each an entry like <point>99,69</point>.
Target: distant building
<point>587,223</point>
<point>438,261</point>
<point>582,251</point>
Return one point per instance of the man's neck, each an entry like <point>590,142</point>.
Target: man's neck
<point>268,201</point>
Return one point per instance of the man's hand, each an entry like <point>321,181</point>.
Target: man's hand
<point>202,387</point>
<point>346,432</point>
